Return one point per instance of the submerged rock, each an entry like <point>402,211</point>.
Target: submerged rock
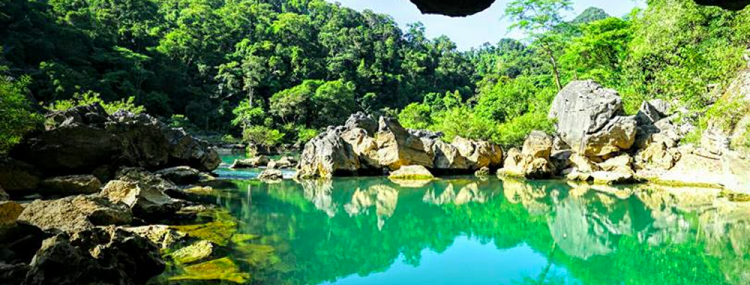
<point>70,185</point>
<point>271,174</point>
<point>194,252</point>
<point>75,213</point>
<point>217,270</point>
<point>253,162</point>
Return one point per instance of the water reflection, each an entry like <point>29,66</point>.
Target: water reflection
<point>369,229</point>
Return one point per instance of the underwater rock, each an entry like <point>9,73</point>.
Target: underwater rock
<point>222,269</point>
<point>194,252</point>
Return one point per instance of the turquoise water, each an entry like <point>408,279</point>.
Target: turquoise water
<point>462,230</point>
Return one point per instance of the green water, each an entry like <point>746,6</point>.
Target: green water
<point>467,231</point>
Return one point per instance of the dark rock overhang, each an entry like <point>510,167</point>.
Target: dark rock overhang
<point>461,8</point>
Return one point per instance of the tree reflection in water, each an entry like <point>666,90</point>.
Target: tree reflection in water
<point>326,230</point>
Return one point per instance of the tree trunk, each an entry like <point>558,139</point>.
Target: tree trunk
<point>555,71</point>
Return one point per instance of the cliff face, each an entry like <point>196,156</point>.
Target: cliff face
<point>456,8</point>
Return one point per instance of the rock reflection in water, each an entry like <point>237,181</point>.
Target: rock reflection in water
<point>599,235</point>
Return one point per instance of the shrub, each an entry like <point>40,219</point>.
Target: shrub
<point>91,97</point>
<point>16,115</point>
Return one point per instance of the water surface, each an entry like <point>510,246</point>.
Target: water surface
<point>463,230</point>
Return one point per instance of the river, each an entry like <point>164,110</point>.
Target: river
<point>466,230</point>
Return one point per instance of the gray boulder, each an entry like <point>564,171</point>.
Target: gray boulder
<point>617,135</point>
<point>271,174</point>
<point>253,162</point>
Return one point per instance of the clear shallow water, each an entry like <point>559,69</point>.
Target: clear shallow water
<point>466,231</point>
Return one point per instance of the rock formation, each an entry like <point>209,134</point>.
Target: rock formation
<point>533,161</point>
<point>359,148</point>
<point>86,139</point>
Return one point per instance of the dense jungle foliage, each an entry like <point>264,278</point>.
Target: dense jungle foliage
<point>279,71</point>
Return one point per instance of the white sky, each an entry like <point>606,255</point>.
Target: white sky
<point>486,26</point>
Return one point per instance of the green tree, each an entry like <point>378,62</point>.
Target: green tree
<point>538,19</point>
<point>16,115</point>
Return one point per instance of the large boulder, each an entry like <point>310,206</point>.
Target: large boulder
<point>82,139</point>
<point>70,185</point>
<point>479,154</point>
<point>102,255</point>
<point>143,192</point>
<point>328,155</point>
<point>75,213</point>
<point>538,144</point>
<point>589,119</point>
<point>17,177</point>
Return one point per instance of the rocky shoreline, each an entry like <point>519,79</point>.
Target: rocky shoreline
<point>595,143</point>
<point>109,199</point>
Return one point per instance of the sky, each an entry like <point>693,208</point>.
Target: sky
<point>487,26</point>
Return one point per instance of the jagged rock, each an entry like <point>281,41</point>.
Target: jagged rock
<point>397,147</point>
<point>253,162</point>
<point>538,145</point>
<point>616,136</point>
<point>282,163</point>
<point>9,212</point>
<point>362,121</point>
<point>271,174</point>
<point>18,177</point>
<point>561,159</point>
<point>617,170</point>
<point>525,166</point>
<point>143,192</point>
<point>95,256</point>
<point>180,175</point>
<point>411,172</point>
<point>70,185</point>
<point>75,213</point>
<point>447,156</point>
<point>583,164</point>
<point>81,139</point>
<point>350,150</point>
<point>582,108</point>
<point>328,155</point>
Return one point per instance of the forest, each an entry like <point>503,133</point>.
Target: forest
<point>277,72</point>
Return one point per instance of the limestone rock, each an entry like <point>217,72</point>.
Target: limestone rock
<point>180,175</point>
<point>70,185</point>
<point>95,256</point>
<point>143,192</point>
<point>538,145</point>
<point>411,172</point>
<point>328,155</point>
<point>583,164</point>
<point>525,166</point>
<point>3,195</point>
<point>617,135</point>
<point>75,213</point>
<point>271,174</point>
<point>362,121</point>
<point>657,156</point>
<point>282,163</point>
<point>447,156</point>
<point>197,251</point>
<point>253,162</point>
<point>581,108</point>
<point>9,212</point>
<point>17,177</point>
<point>483,172</point>
<point>479,153</point>
<point>397,147</point>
